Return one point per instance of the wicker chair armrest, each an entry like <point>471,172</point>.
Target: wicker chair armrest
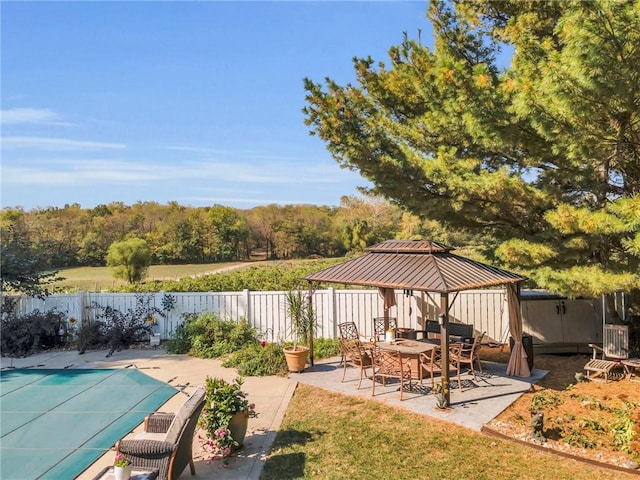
<point>143,448</point>
<point>158,422</point>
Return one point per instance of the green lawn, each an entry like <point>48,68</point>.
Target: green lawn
<point>92,279</point>
<point>327,435</point>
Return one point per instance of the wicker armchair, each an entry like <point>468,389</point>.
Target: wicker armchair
<point>166,443</point>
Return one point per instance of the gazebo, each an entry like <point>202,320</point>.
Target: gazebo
<point>430,267</point>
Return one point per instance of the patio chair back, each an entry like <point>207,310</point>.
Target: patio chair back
<point>615,341</point>
<point>431,362</point>
<point>348,331</point>
<point>379,330</point>
<point>464,354</point>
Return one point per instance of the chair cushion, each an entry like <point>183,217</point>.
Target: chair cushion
<point>150,436</point>
<point>179,421</point>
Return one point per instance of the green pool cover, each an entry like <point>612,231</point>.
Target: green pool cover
<point>55,423</point>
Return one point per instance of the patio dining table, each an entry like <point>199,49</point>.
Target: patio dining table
<point>408,347</point>
<point>411,349</point>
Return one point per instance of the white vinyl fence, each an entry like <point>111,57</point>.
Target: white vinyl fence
<point>266,311</point>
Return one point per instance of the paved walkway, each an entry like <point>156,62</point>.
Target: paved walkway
<point>475,405</point>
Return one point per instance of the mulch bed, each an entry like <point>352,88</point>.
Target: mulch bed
<point>582,419</point>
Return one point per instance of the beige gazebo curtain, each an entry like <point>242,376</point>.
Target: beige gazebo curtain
<point>388,295</point>
<point>518,366</point>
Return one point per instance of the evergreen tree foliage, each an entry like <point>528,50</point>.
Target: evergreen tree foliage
<point>541,156</point>
<point>22,270</point>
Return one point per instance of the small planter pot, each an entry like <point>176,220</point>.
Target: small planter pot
<point>238,427</point>
<point>296,358</point>
<point>122,473</point>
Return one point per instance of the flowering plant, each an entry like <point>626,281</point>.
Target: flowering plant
<point>223,400</point>
<point>121,461</point>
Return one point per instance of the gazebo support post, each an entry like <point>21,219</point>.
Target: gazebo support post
<point>444,345</point>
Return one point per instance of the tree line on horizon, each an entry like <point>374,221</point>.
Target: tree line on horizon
<point>175,234</point>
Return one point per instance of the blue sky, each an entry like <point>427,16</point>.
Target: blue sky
<point>194,102</point>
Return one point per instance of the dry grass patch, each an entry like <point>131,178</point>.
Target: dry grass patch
<point>101,278</point>
<point>332,436</point>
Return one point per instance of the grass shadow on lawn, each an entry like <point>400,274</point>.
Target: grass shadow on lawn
<point>284,466</point>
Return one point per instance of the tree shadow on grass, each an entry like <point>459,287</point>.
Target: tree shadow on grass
<point>286,466</point>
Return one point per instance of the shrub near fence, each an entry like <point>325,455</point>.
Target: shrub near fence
<point>267,312</point>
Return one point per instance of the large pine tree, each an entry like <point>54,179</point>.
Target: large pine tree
<point>542,156</point>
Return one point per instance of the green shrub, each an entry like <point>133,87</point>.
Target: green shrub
<point>90,335</point>
<point>543,400</point>
<point>212,337</point>
<point>180,341</point>
<point>31,333</point>
<point>267,277</point>
<point>207,336</point>
<point>326,347</point>
<point>123,329</point>
<point>258,361</point>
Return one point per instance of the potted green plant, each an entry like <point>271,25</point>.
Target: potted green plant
<point>302,322</point>
<point>122,467</point>
<point>225,417</point>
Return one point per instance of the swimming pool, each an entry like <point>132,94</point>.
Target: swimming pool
<point>55,423</point>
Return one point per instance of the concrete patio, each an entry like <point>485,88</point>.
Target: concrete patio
<point>475,405</point>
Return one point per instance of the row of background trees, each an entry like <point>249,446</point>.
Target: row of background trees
<point>176,234</point>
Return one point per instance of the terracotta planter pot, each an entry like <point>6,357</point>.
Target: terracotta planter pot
<point>296,359</point>
<point>238,427</point>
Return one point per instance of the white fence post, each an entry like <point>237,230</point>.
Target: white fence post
<point>247,308</point>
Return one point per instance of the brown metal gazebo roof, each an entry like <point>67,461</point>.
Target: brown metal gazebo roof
<point>420,265</point>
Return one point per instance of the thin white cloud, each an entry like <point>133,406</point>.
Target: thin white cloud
<point>273,172</point>
<point>194,149</point>
<point>15,116</point>
<point>246,154</point>
<point>238,200</point>
<point>52,143</point>
<point>106,171</point>
<point>81,173</point>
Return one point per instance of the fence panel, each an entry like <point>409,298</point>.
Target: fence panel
<point>269,315</point>
<point>267,311</point>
